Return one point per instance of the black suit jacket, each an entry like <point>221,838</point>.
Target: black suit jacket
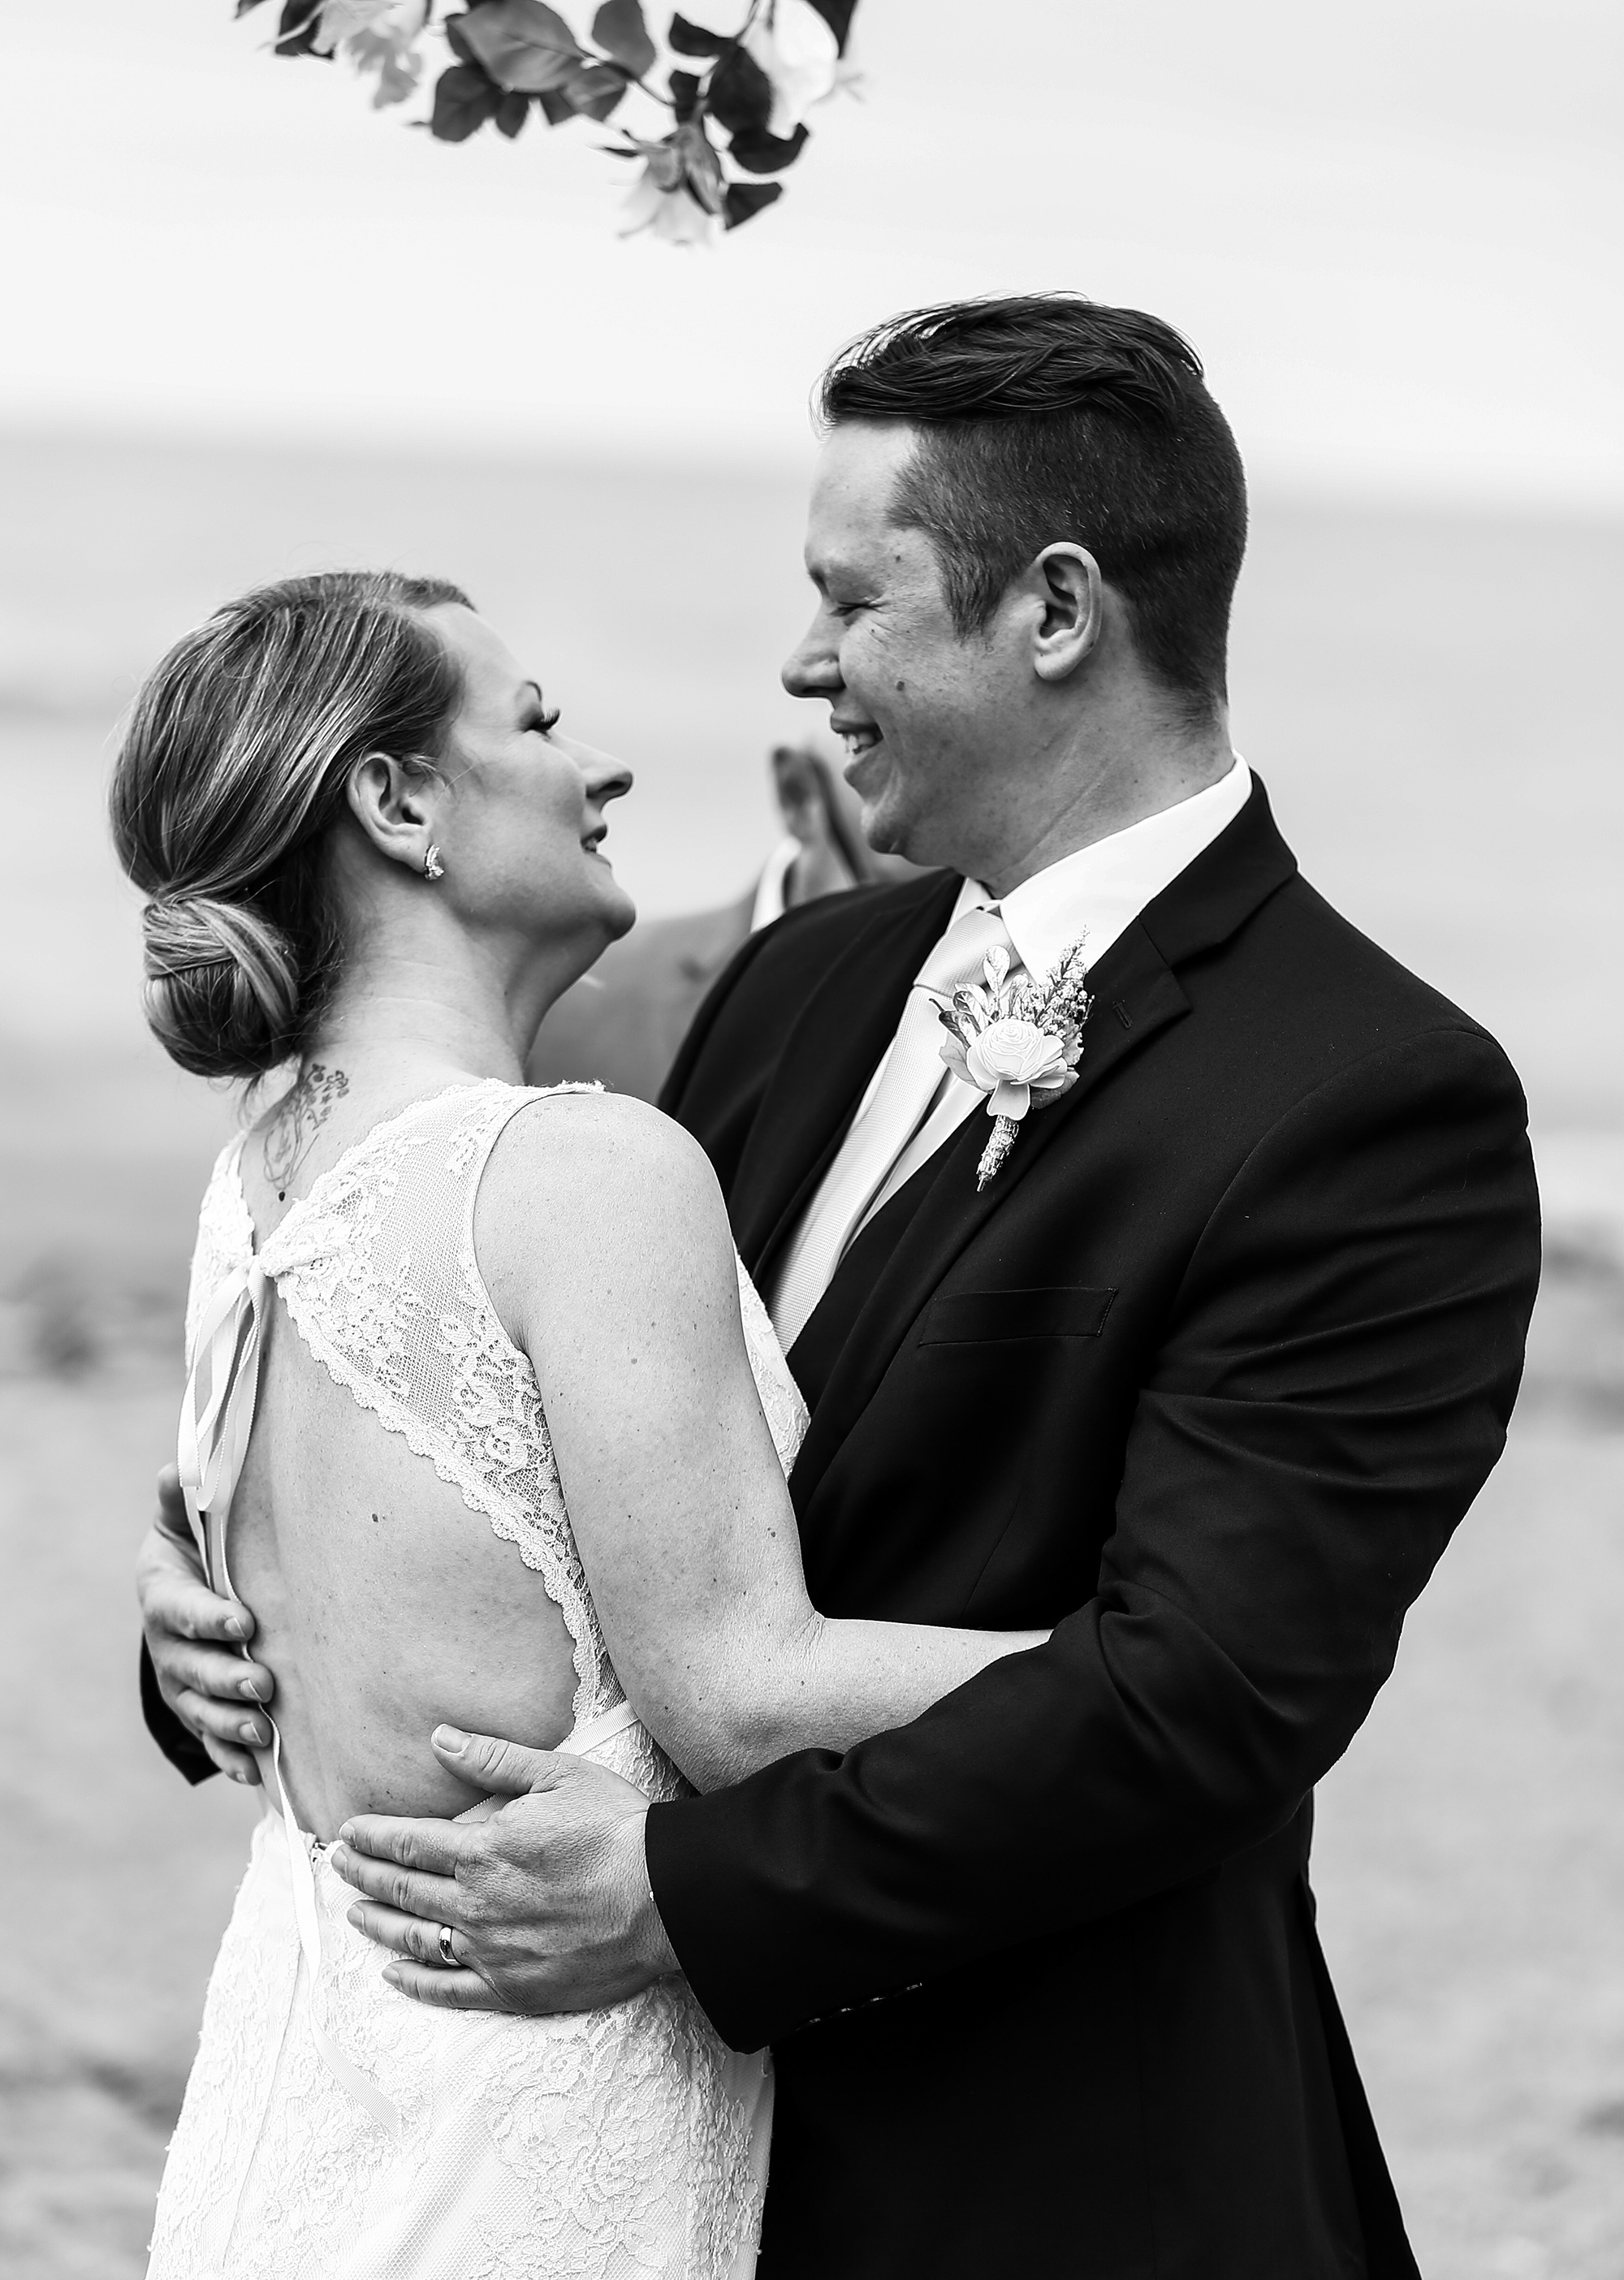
<point>1204,1379</point>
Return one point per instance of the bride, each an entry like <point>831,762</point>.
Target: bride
<point>485,1423</point>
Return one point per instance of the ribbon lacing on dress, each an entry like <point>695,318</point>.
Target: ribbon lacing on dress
<point>217,1416</point>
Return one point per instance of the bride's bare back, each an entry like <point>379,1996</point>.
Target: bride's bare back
<point>383,1605</point>
<point>397,1528</point>
<point>399,1525</point>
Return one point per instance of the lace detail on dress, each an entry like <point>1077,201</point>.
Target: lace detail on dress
<point>610,2144</point>
<point>627,2144</point>
<point>377,1269</point>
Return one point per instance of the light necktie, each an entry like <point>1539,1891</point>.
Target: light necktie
<point>913,1076</point>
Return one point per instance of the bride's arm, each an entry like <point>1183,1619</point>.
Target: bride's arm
<point>603,1238</point>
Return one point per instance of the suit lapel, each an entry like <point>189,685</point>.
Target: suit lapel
<point>831,1051</point>
<point>1137,995</point>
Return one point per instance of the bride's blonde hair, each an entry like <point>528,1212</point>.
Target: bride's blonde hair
<point>232,771</point>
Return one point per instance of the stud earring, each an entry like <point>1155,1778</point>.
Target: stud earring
<point>433,868</point>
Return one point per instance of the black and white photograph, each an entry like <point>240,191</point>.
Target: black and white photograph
<point>811,1152</point>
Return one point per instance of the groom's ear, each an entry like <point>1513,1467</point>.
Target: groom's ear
<point>1067,587</point>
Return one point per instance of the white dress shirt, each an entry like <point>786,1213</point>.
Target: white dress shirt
<point>1091,897</point>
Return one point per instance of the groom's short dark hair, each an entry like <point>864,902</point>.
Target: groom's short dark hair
<point>1043,417</point>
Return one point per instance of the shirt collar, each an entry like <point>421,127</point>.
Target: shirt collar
<point>1096,894</point>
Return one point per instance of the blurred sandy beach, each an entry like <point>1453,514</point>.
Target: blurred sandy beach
<point>1430,700</point>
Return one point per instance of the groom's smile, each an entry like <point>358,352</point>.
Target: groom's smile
<point>956,725</point>
<point>906,696</point>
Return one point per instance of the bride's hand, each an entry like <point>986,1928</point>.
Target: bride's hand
<point>211,1688</point>
<point>548,1901</point>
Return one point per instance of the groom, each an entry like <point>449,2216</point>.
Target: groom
<point>1203,1377</point>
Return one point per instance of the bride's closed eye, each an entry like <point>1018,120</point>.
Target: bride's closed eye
<point>537,717</point>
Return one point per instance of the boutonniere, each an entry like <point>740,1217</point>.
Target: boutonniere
<point>1018,1042</point>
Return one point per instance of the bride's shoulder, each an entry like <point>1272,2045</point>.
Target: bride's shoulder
<point>612,1157</point>
<point>569,1122</point>
<point>596,1211</point>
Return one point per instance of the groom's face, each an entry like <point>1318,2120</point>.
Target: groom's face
<point>925,715</point>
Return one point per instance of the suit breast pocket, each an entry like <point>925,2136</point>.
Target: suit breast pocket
<point>1002,1317</point>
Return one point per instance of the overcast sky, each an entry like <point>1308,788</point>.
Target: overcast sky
<point>1390,229</point>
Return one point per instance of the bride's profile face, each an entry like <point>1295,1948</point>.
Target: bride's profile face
<point>523,827</point>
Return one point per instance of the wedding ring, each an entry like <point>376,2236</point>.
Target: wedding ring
<point>447,1954</point>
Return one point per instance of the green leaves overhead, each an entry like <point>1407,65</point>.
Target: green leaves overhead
<point>745,199</point>
<point>685,39</point>
<point>297,28</point>
<point>526,50</point>
<point>736,102</point>
<point>620,32</point>
<point>594,91</point>
<point>522,45</point>
<point>740,98</point>
<point>463,100</point>
<point>764,153</point>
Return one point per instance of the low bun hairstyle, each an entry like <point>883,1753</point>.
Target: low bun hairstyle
<point>230,775</point>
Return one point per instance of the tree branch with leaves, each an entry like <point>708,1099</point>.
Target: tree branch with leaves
<point>737,100</point>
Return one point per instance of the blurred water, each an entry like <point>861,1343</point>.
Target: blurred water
<point>1429,698</point>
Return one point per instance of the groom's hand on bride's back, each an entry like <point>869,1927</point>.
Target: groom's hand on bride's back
<point>548,1901</point>
<point>196,1640</point>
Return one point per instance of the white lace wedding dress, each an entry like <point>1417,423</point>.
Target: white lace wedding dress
<point>331,2126</point>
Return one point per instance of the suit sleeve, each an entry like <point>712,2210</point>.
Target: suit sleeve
<point>182,1748</point>
<point>1331,1391</point>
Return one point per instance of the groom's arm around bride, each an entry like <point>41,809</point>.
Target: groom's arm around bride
<point>1204,1378</point>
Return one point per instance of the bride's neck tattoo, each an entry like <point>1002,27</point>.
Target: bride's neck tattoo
<point>300,1114</point>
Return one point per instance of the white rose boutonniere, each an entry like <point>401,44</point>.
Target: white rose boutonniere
<point>1018,1042</point>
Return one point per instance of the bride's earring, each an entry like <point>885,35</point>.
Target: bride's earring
<point>433,868</point>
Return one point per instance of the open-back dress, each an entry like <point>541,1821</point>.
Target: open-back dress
<point>332,2126</point>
